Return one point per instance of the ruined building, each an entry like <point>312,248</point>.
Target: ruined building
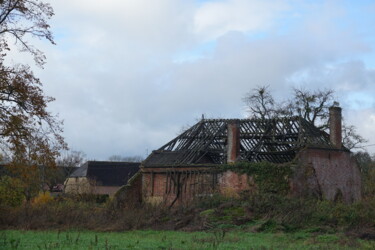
<point>187,166</point>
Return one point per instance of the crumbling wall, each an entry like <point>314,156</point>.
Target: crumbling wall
<point>130,195</point>
<point>326,173</point>
<point>177,186</point>
<point>181,186</point>
<point>232,183</point>
<point>330,174</point>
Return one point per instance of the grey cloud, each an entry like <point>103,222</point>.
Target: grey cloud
<point>120,92</point>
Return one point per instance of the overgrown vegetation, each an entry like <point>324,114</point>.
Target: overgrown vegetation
<point>258,212</point>
<point>11,193</point>
<point>267,211</point>
<point>268,177</point>
<point>276,213</point>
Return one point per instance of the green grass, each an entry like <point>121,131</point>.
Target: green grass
<point>237,239</point>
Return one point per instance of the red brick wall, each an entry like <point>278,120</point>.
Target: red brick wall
<point>327,173</point>
<point>233,143</point>
<point>231,183</point>
<point>178,187</point>
<point>335,126</point>
<point>160,186</point>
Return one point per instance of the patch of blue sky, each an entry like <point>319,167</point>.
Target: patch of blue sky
<point>60,33</point>
<point>289,20</point>
<point>201,51</point>
<point>369,59</point>
<point>358,16</point>
<point>258,35</point>
<point>61,37</point>
<point>204,1</point>
<point>360,100</point>
<point>362,16</point>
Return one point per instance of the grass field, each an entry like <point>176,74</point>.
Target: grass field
<point>11,239</point>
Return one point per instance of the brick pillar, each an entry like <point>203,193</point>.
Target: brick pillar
<point>233,142</point>
<point>335,129</point>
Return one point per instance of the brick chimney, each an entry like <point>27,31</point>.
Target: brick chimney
<point>233,142</point>
<point>335,129</point>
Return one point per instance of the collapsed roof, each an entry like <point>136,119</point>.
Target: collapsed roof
<point>273,140</point>
<point>107,173</point>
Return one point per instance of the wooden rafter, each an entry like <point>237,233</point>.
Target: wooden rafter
<point>275,140</point>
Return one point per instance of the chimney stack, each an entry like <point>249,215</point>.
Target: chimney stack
<point>233,142</point>
<point>335,126</point>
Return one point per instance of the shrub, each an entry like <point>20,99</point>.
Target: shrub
<point>42,199</point>
<point>11,192</point>
<point>369,183</point>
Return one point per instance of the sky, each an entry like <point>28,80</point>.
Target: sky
<point>129,75</point>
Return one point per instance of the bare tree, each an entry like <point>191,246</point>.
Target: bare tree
<point>22,19</point>
<point>260,103</point>
<point>71,158</point>
<point>136,158</point>
<point>351,139</point>
<point>310,105</point>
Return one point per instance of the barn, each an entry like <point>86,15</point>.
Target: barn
<point>101,177</point>
<point>198,162</point>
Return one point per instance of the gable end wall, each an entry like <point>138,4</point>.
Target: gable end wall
<point>327,173</point>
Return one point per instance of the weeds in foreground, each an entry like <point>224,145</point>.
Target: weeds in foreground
<point>270,212</point>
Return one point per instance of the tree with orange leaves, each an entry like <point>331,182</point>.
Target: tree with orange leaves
<point>29,135</point>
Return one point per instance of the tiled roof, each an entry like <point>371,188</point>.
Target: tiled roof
<point>107,173</point>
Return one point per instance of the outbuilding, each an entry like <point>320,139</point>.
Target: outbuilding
<point>101,177</point>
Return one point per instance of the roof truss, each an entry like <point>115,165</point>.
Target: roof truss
<point>275,140</point>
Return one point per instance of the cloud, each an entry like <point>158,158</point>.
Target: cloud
<point>215,18</point>
<point>143,26</point>
<point>364,121</point>
<point>121,90</point>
